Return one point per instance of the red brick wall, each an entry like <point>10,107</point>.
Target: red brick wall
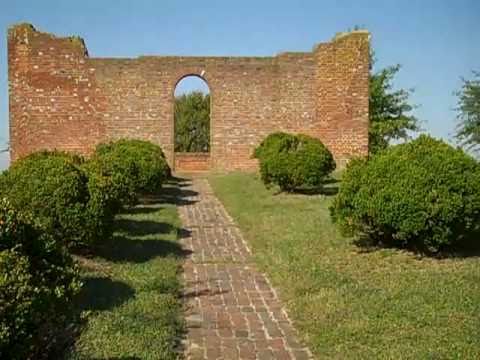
<point>192,162</point>
<point>61,98</point>
<point>53,97</point>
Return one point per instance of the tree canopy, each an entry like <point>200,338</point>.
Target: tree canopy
<point>192,122</point>
<point>468,130</point>
<point>389,110</point>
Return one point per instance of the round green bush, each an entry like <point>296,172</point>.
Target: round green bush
<point>135,166</point>
<point>70,203</point>
<point>103,204</point>
<point>273,143</point>
<point>115,176</point>
<point>103,201</point>
<point>53,189</point>
<point>38,281</point>
<point>293,161</point>
<point>423,194</point>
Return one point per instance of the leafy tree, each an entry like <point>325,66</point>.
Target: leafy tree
<point>192,122</point>
<point>468,131</point>
<point>389,110</point>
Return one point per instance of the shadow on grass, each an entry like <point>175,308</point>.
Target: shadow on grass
<point>101,293</point>
<point>172,192</point>
<point>143,227</point>
<point>328,188</point>
<point>324,190</point>
<point>331,180</point>
<point>140,209</point>
<point>121,249</point>
<point>107,358</point>
<point>124,247</point>
<point>466,248</point>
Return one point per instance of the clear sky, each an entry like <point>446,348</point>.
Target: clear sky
<point>436,41</point>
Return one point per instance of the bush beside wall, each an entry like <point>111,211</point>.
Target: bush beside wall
<point>51,187</point>
<point>135,167</point>
<point>293,161</point>
<point>423,194</point>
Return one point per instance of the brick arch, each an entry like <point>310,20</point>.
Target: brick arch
<point>61,98</point>
<point>192,162</point>
<point>197,74</point>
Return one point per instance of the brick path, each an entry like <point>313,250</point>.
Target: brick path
<point>232,310</point>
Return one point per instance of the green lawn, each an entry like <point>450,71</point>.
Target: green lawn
<point>132,288</point>
<point>351,302</point>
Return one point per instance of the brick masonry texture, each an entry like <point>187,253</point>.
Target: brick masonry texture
<point>192,162</point>
<point>232,310</point>
<point>60,98</point>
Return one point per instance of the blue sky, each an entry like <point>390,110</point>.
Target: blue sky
<point>435,41</point>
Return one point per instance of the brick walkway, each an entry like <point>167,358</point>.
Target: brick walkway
<point>232,310</point>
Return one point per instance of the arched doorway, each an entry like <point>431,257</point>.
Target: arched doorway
<point>192,105</point>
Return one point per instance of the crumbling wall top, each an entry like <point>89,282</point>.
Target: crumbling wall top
<point>26,32</point>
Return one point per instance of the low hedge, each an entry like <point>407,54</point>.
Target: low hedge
<point>423,194</point>
<point>76,200</point>
<point>38,281</point>
<point>51,186</point>
<point>103,204</point>
<point>134,167</point>
<point>293,161</point>
<point>72,204</point>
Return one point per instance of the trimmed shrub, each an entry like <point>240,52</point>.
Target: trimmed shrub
<point>115,176</point>
<point>72,204</point>
<point>38,281</point>
<point>273,143</point>
<point>103,204</point>
<point>293,161</point>
<point>423,194</point>
<point>52,188</point>
<point>134,166</point>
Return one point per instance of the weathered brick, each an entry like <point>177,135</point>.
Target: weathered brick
<point>60,98</point>
<point>260,330</point>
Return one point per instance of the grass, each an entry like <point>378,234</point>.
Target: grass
<point>131,292</point>
<point>348,301</point>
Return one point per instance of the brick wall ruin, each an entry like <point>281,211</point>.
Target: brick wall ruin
<point>60,98</point>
